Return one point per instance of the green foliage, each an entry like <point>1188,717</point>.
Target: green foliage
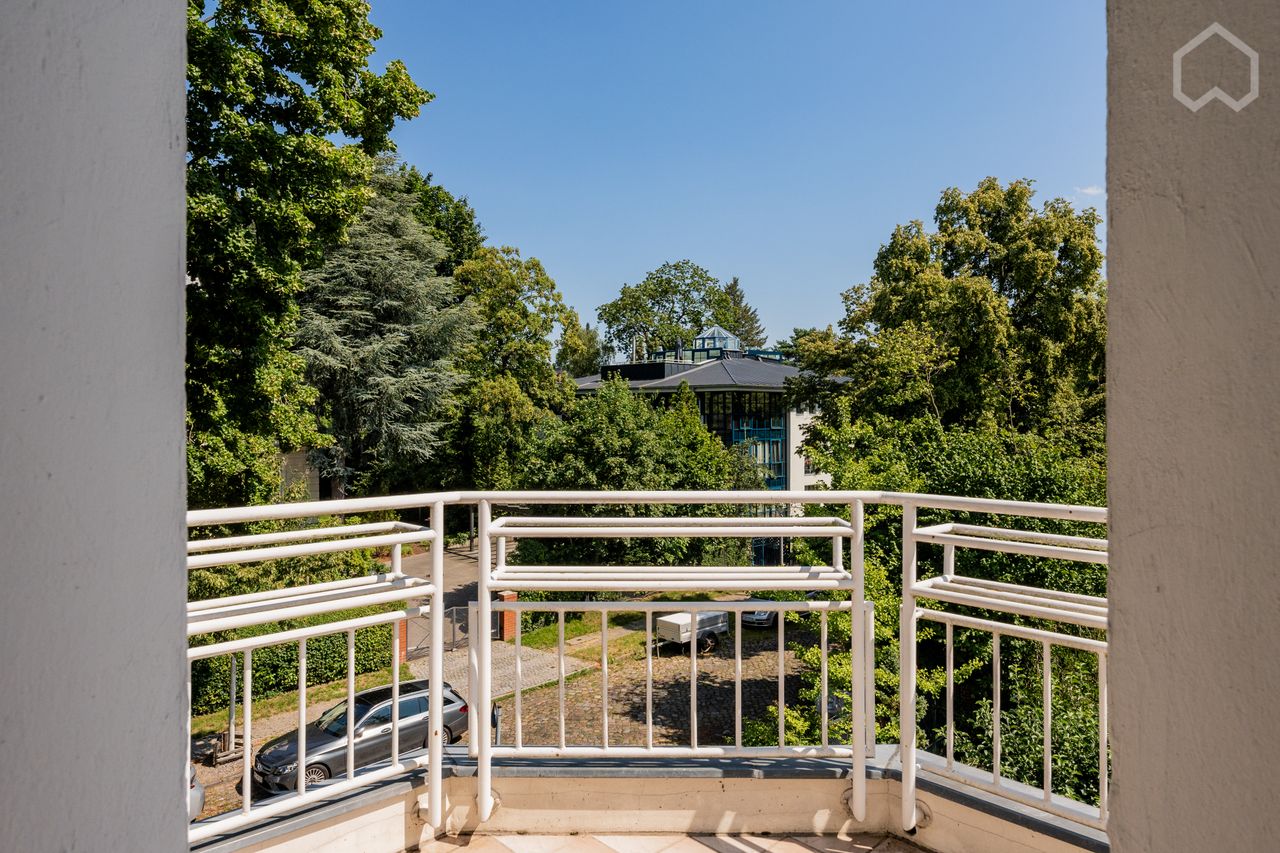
<point>674,302</point>
<point>580,352</point>
<point>998,319</point>
<point>735,315</point>
<point>450,218</point>
<point>275,668</point>
<point>380,331</point>
<point>971,364</point>
<point>510,391</point>
<point>269,88</point>
<point>619,440</point>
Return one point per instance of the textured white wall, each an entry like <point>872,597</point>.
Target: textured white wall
<point>91,426</point>
<point>1193,245</point>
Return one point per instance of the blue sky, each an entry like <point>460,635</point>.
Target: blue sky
<point>778,142</point>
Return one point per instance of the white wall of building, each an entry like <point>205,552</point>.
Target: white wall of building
<point>1194,430</point>
<point>92,696</point>
<point>797,479</point>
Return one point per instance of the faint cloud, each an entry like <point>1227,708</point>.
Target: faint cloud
<point>1092,189</point>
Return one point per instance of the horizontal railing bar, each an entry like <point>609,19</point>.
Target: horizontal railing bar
<point>295,634</point>
<point>255,555</point>
<point>1008,630</point>
<point>512,522</point>
<point>196,546</point>
<point>1085,542</point>
<point>237,515</point>
<point>1029,549</point>
<point>748,571</point>
<point>761,580</point>
<point>1074,597</point>
<point>300,598</point>
<point>287,592</point>
<point>1024,595</point>
<point>707,583</point>
<point>672,752</point>
<point>924,590</point>
<point>1092,514</point>
<point>798,531</point>
<point>202,830</point>
<point>1081,815</point>
<point>673,606</point>
<point>317,509</point>
<point>228,623</point>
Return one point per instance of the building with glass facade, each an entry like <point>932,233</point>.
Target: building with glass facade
<point>739,393</point>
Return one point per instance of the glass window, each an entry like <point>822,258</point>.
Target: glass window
<point>381,716</point>
<point>411,706</point>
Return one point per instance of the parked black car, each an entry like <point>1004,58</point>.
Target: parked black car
<point>275,767</point>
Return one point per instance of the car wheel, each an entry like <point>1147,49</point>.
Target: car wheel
<point>447,734</point>
<point>316,773</point>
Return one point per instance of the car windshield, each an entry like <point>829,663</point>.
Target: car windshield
<point>334,720</point>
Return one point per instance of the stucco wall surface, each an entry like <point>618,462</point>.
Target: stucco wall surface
<point>91,426</point>
<point>1193,242</point>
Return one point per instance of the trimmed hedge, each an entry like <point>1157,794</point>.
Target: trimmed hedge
<point>275,668</point>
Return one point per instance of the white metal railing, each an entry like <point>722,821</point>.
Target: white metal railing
<point>844,574</point>
<point>270,606</point>
<point>1010,600</point>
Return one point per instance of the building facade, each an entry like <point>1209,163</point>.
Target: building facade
<point>740,396</point>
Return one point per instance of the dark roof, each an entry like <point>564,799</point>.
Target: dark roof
<point>724,373</point>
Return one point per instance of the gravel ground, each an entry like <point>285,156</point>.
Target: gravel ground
<point>583,711</point>
<point>583,706</point>
<point>220,782</point>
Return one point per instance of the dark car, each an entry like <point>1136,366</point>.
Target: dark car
<point>276,764</point>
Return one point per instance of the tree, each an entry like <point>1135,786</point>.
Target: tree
<point>970,364</point>
<point>379,332</point>
<point>269,88</point>
<point>451,219</point>
<point>619,440</point>
<point>510,387</point>
<point>580,352</point>
<point>672,303</point>
<point>998,318</point>
<point>735,315</point>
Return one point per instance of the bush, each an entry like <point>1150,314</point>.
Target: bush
<point>275,668</point>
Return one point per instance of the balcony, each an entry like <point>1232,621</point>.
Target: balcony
<point>598,727</point>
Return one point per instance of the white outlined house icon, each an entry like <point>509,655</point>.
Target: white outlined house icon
<point>1194,104</point>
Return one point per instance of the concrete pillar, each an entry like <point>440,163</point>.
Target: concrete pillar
<point>92,585</point>
<point>1193,241</point>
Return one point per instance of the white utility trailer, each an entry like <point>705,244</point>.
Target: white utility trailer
<point>676,628</point>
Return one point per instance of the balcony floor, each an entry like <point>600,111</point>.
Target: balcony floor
<point>670,844</point>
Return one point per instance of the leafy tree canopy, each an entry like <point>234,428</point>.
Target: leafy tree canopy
<point>996,319</point>
<point>618,440</point>
<point>510,389</point>
<point>379,332</point>
<point>451,218</point>
<point>735,315</point>
<point>270,86</point>
<point>580,352</point>
<point>672,303</point>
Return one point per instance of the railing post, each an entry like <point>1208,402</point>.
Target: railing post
<point>435,750</point>
<point>907,669</point>
<point>482,632</point>
<point>857,635</point>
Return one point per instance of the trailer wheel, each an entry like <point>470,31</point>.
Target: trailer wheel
<point>707,643</point>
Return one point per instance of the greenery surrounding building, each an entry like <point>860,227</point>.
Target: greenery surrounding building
<point>343,302</point>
